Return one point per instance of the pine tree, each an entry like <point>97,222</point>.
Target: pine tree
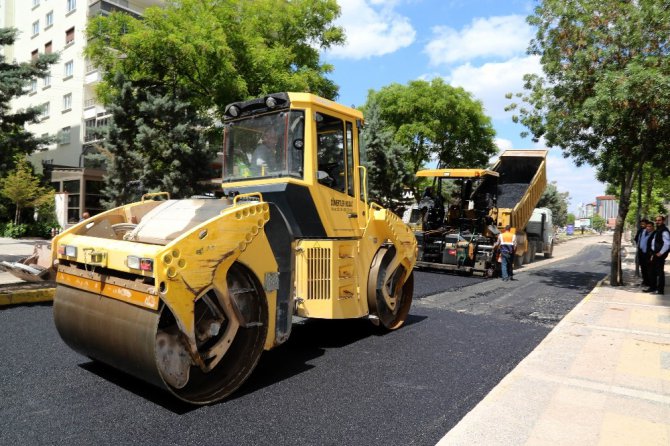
<point>14,77</point>
<point>156,141</point>
<point>172,139</point>
<point>387,170</point>
<point>122,180</point>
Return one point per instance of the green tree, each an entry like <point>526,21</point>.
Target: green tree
<point>172,141</point>
<point>387,173</point>
<point>557,202</point>
<point>156,141</point>
<point>436,121</point>
<point>122,181</point>
<point>220,51</point>
<point>655,193</point>
<point>14,77</point>
<point>23,188</point>
<point>598,223</point>
<point>604,97</point>
<point>570,219</point>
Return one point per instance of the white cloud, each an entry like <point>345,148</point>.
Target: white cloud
<point>497,37</point>
<point>503,144</point>
<point>372,28</point>
<point>490,82</point>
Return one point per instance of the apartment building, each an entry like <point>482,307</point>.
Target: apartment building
<point>67,95</point>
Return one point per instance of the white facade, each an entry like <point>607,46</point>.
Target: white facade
<point>68,94</point>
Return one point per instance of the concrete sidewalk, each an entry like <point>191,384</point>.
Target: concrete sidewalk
<point>601,377</point>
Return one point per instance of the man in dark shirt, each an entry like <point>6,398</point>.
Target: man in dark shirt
<point>644,253</point>
<point>660,245</point>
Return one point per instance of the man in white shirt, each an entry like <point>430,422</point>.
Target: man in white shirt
<point>507,243</point>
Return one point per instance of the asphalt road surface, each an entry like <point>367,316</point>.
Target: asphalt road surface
<point>333,382</point>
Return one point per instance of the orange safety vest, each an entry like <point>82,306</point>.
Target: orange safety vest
<point>508,238</point>
<point>507,241</point>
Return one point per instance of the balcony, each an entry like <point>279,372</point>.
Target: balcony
<point>92,77</point>
<point>134,8</point>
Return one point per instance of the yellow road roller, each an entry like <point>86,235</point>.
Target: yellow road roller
<point>186,294</point>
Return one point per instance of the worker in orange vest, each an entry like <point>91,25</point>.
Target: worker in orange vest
<point>507,244</point>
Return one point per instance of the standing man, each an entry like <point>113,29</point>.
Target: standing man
<point>640,230</point>
<point>507,243</point>
<point>660,245</point>
<point>643,252</point>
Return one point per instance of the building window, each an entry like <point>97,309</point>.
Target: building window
<point>34,54</point>
<point>45,110</point>
<point>36,28</point>
<point>33,86</point>
<point>67,102</point>
<point>69,36</point>
<point>64,136</point>
<point>36,3</point>
<point>48,48</point>
<point>47,80</point>
<point>69,69</point>
<point>71,5</point>
<point>73,189</point>
<point>49,19</point>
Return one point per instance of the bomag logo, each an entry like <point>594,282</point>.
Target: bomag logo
<point>341,205</point>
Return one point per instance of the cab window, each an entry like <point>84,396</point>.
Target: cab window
<point>334,153</point>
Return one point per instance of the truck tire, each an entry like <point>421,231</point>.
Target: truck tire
<point>518,261</point>
<point>549,254</point>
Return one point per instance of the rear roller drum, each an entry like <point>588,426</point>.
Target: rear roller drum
<point>390,289</point>
<point>230,327</point>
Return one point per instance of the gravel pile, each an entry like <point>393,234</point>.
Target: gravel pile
<point>509,194</point>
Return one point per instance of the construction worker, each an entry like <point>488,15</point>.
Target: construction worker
<point>507,244</point>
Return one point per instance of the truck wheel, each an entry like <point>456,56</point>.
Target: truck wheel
<point>518,261</point>
<point>389,292</point>
<point>550,253</point>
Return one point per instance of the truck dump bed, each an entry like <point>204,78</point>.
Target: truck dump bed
<point>522,180</point>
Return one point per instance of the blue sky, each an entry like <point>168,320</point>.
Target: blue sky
<point>479,45</point>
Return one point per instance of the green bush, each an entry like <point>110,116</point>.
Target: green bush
<point>15,231</point>
<point>40,229</point>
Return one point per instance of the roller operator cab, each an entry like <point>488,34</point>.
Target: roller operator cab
<point>186,294</point>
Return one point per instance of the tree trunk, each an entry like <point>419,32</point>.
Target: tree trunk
<point>616,276</point>
<point>17,215</point>
<point>647,199</point>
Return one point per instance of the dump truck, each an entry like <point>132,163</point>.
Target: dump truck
<point>460,235</point>
<point>187,293</point>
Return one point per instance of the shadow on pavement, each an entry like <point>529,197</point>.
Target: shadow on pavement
<point>309,340</point>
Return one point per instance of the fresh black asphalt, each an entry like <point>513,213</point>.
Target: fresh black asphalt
<point>333,382</point>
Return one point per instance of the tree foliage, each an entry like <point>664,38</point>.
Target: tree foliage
<point>23,188</point>
<point>557,202</point>
<point>14,78</point>
<point>598,223</point>
<point>604,97</point>
<point>220,51</point>
<point>385,160</point>
<point>157,141</point>
<point>655,194</point>
<point>436,121</point>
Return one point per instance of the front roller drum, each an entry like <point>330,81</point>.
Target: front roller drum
<point>390,289</point>
<point>148,345</point>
